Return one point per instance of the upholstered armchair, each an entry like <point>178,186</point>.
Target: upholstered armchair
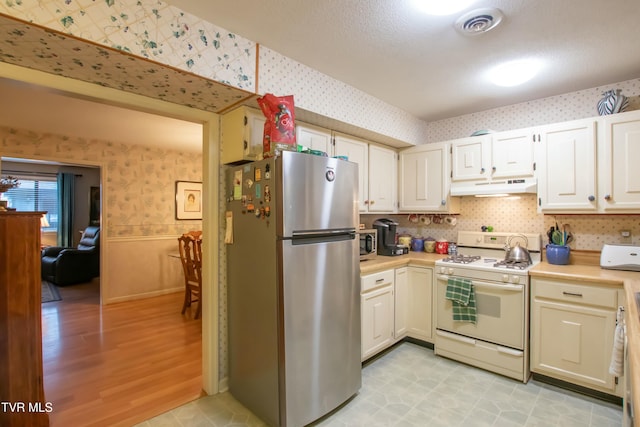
<point>68,266</point>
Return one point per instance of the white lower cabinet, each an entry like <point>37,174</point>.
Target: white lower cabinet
<point>396,304</point>
<point>401,303</point>
<point>377,308</point>
<point>417,305</point>
<point>572,330</point>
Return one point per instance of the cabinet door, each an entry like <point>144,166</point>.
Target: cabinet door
<point>565,160</point>
<point>424,183</point>
<point>357,152</point>
<point>383,176</point>
<point>254,132</point>
<point>401,303</point>
<point>241,133</point>
<point>377,320</point>
<point>620,172</point>
<point>470,158</point>
<point>314,138</point>
<point>512,154</point>
<point>573,343</point>
<point>420,303</point>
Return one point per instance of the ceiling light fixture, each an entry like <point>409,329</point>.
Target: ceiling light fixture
<point>440,7</point>
<point>514,73</point>
<point>478,21</point>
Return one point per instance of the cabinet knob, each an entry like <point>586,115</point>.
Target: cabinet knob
<point>591,198</point>
<point>366,202</point>
<point>607,197</point>
<point>443,202</point>
<point>493,168</point>
<point>372,202</point>
<point>481,170</point>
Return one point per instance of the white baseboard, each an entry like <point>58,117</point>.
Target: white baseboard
<point>143,295</point>
<point>223,385</point>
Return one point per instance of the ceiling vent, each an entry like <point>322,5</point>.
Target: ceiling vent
<point>478,21</point>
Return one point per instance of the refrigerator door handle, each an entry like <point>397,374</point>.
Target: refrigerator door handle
<point>308,237</point>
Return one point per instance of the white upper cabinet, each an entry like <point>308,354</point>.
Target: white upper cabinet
<point>424,179</point>
<point>471,158</point>
<point>383,178</point>
<point>512,154</point>
<point>377,172</point>
<point>566,167</point>
<point>241,132</point>
<point>493,156</point>
<point>619,172</point>
<point>358,152</point>
<point>590,165</point>
<point>314,137</point>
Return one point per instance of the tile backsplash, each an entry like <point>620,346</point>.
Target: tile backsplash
<point>519,214</point>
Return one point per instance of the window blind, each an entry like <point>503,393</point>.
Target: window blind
<point>36,194</point>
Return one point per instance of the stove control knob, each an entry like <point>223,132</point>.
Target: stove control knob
<point>505,278</point>
<point>443,270</point>
<point>450,271</point>
<point>515,279</point>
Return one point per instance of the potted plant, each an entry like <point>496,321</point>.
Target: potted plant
<point>558,250</point>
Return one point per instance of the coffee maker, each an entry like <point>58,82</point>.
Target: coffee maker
<point>387,246</point>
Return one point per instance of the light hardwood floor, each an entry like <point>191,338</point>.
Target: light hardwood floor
<point>119,364</point>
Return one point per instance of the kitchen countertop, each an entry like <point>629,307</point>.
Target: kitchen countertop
<point>630,281</point>
<point>586,274</point>
<point>381,263</point>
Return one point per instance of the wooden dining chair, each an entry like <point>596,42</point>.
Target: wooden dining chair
<point>190,245</point>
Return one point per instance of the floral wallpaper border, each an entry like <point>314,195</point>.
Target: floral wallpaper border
<point>36,48</point>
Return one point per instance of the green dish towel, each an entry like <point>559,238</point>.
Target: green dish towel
<point>463,299</point>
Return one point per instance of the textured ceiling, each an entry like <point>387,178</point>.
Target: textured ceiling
<point>422,65</point>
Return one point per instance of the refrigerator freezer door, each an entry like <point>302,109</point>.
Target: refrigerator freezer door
<point>321,306</point>
<point>318,193</point>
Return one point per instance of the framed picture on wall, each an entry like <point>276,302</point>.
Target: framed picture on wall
<point>94,206</point>
<point>188,200</point>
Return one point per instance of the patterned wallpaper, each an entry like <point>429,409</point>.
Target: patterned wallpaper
<point>555,109</point>
<point>331,98</point>
<point>151,48</point>
<point>148,29</point>
<point>139,198</point>
<point>518,214</point>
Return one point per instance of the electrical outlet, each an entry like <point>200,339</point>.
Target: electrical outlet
<point>626,236</point>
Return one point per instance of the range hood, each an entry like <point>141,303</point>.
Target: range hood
<point>494,188</point>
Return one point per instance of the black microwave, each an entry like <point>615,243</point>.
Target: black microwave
<point>368,244</point>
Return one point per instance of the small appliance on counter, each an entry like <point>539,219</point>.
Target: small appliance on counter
<point>387,245</point>
<point>620,257</point>
<point>368,244</point>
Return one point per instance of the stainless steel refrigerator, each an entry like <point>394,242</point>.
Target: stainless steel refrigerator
<point>293,286</point>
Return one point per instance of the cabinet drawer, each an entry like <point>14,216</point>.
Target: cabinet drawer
<point>376,280</point>
<point>574,293</point>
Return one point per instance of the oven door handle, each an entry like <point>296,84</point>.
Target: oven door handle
<point>504,287</point>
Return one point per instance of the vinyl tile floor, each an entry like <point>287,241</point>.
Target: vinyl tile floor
<point>410,386</point>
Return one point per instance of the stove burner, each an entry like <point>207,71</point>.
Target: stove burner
<point>461,259</point>
<point>516,265</point>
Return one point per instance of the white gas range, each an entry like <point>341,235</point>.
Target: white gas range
<point>498,341</point>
